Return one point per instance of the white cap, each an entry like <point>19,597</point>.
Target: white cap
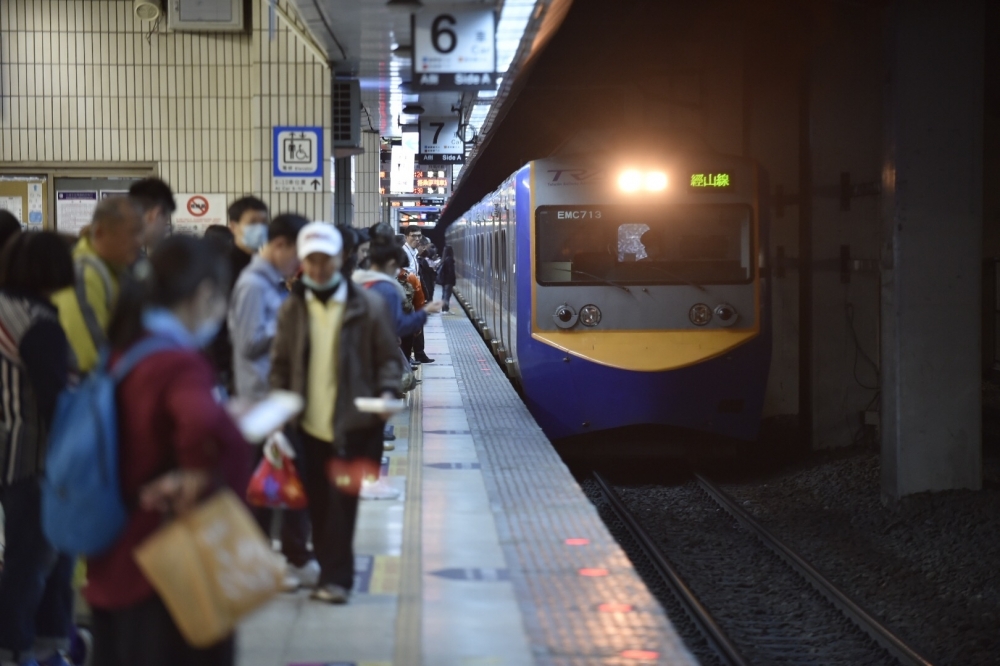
<point>319,237</point>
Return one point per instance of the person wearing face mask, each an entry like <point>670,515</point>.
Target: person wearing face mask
<point>248,221</point>
<point>335,343</point>
<point>253,322</point>
<point>176,443</point>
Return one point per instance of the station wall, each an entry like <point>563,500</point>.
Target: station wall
<point>83,81</point>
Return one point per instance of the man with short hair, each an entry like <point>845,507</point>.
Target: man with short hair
<point>413,236</point>
<point>253,323</point>
<point>155,201</point>
<point>248,222</point>
<point>336,342</point>
<point>101,259</point>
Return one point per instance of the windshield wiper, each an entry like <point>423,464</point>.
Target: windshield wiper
<point>595,277</point>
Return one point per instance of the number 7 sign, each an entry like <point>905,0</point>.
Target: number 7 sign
<point>440,141</point>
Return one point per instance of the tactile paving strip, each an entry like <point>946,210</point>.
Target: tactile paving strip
<point>537,505</point>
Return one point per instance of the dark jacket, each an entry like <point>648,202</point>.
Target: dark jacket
<point>446,273</point>
<point>369,362</point>
<point>428,277</point>
<point>34,362</point>
<point>167,419</point>
<point>406,323</point>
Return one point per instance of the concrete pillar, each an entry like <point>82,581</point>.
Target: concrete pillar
<point>932,196</point>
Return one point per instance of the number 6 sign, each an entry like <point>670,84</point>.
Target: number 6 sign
<point>454,48</point>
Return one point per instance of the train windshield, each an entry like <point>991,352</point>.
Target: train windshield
<point>683,244</point>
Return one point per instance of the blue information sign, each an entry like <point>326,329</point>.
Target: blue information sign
<point>298,152</point>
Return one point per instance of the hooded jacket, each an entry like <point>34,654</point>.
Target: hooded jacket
<point>368,364</point>
<point>392,293</point>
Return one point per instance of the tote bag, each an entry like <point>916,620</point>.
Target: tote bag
<point>211,567</point>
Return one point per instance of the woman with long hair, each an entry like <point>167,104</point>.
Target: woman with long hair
<point>36,597</point>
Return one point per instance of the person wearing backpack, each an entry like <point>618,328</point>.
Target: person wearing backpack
<point>36,601</point>
<point>101,259</point>
<point>386,257</point>
<point>176,444</point>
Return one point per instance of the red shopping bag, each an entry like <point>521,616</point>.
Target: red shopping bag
<point>275,484</point>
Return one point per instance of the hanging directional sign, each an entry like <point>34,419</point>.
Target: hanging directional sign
<point>440,142</point>
<point>454,48</point>
<point>297,159</point>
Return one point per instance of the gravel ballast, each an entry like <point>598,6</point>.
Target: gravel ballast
<point>928,565</point>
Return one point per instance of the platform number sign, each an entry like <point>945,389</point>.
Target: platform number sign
<point>454,49</point>
<point>440,142</point>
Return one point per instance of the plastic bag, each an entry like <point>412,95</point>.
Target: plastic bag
<point>211,567</point>
<point>275,483</point>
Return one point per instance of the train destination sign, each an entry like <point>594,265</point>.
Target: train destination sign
<point>711,182</point>
<point>454,48</point>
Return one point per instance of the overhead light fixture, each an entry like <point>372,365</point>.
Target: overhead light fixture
<point>404,5</point>
<point>403,51</point>
<point>413,109</point>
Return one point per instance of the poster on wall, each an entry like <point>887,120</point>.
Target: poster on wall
<point>74,210</point>
<point>107,194</point>
<point>196,212</point>
<point>35,205</point>
<point>14,206</point>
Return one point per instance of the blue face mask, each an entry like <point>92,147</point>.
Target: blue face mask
<point>332,283</point>
<point>255,236</point>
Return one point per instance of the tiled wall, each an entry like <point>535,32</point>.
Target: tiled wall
<point>82,80</point>
<point>366,194</point>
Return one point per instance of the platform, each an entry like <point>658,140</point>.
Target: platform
<point>493,556</point>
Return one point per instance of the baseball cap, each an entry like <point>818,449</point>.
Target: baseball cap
<point>319,237</point>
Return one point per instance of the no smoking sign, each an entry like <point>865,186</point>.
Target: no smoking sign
<point>198,206</point>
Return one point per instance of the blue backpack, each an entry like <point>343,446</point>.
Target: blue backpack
<point>82,507</point>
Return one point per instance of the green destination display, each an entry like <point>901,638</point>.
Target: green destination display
<point>711,181</point>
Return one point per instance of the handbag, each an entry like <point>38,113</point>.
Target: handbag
<point>275,483</point>
<point>211,567</point>
<point>409,379</point>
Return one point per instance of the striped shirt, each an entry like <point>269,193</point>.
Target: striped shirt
<point>34,361</point>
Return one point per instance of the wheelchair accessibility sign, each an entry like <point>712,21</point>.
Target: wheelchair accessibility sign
<point>298,152</point>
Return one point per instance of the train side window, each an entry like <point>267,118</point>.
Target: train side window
<point>503,253</point>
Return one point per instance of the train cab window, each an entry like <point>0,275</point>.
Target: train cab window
<point>700,244</point>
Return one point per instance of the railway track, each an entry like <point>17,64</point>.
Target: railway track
<point>751,597</point>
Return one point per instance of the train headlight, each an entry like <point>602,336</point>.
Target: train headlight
<point>564,317</point>
<point>726,314</point>
<point>590,315</point>
<point>630,181</point>
<point>700,314</point>
<point>655,181</point>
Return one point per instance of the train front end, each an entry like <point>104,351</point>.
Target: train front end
<point>644,303</point>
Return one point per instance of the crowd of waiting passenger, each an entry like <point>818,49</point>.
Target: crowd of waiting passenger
<point>195,331</point>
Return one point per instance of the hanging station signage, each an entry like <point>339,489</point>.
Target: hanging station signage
<point>454,48</point>
<point>440,142</point>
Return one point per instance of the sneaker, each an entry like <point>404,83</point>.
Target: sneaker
<point>424,359</point>
<point>331,594</point>
<point>414,363</point>
<point>81,647</point>
<point>389,434</point>
<point>378,490</point>
<point>308,573</point>
<point>291,583</point>
<point>389,446</point>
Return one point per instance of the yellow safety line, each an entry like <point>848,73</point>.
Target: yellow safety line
<point>409,619</point>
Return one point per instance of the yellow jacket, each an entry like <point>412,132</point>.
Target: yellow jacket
<point>96,283</point>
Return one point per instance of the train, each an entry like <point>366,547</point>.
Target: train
<point>620,294</point>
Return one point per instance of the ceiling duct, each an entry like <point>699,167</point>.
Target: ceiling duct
<point>346,117</point>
